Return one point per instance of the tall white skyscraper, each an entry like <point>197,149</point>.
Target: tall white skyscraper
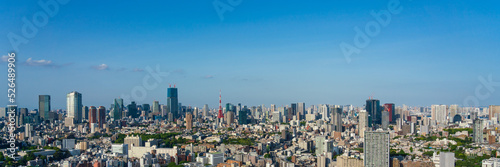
<point>439,113</point>
<point>363,121</point>
<point>74,106</point>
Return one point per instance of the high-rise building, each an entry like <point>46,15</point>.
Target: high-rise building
<point>385,119</point>
<point>229,117</point>
<point>391,109</point>
<point>117,109</point>
<point>189,121</point>
<point>74,106</point>
<point>494,112</point>
<point>132,110</point>
<point>363,122</point>
<point>301,110</point>
<point>376,148</point>
<point>156,107</point>
<point>173,102</point>
<point>243,116</point>
<point>146,108</point>
<point>85,112</point>
<point>336,118</point>
<point>92,117</point>
<point>374,112</point>
<point>478,131</point>
<point>453,111</point>
<point>439,113</point>
<point>101,116</point>
<point>44,106</point>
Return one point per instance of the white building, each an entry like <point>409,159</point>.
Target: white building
<point>215,158</point>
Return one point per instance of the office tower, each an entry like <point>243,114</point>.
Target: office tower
<point>376,148</point>
<point>243,116</point>
<point>494,112</point>
<point>374,112</point>
<point>189,121</point>
<point>172,102</point>
<point>205,110</point>
<point>293,111</point>
<point>44,106</point>
<point>301,110</point>
<point>478,131</point>
<point>156,107</point>
<point>146,108</point>
<point>336,118</point>
<point>447,159</point>
<point>132,110</point>
<point>101,116</point>
<point>390,108</point>
<point>117,109</point>
<point>363,121</point>
<point>453,110</point>
<point>92,118</point>
<point>273,108</point>
<point>385,119</point>
<point>439,113</point>
<point>74,106</point>
<point>324,110</point>
<point>229,117</point>
<point>85,112</point>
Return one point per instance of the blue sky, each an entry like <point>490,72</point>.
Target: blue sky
<point>261,52</point>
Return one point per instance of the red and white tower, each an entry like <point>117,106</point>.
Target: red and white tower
<point>220,116</point>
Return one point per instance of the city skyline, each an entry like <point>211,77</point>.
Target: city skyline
<point>256,54</point>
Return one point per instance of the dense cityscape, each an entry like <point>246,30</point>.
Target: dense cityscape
<point>323,135</point>
<point>239,83</point>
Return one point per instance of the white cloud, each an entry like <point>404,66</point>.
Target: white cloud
<point>32,62</point>
<point>101,67</point>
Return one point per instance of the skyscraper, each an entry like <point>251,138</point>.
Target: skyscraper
<point>336,118</point>
<point>385,119</point>
<point>74,106</point>
<point>301,110</point>
<point>172,102</point>
<point>117,109</point>
<point>132,110</point>
<point>92,117</point>
<point>439,113</point>
<point>101,116</point>
<point>363,120</point>
<point>156,107</point>
<point>453,110</point>
<point>44,106</point>
<point>478,131</point>
<point>189,121</point>
<point>376,148</point>
<point>85,112</point>
<point>374,112</point>
<point>391,109</point>
<point>242,116</point>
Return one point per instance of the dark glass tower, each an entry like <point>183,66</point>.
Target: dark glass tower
<point>173,102</point>
<point>44,106</point>
<point>374,112</point>
<point>132,110</point>
<point>118,109</point>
